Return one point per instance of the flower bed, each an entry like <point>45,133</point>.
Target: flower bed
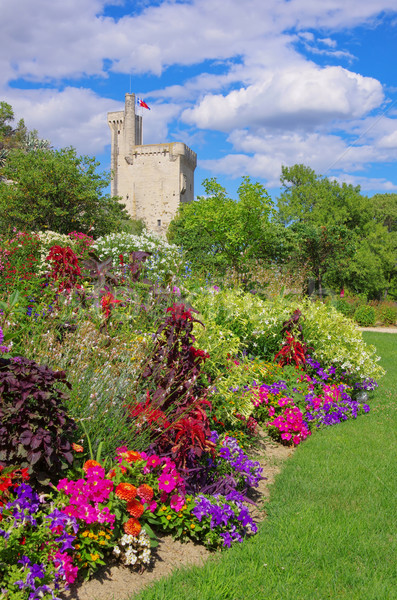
<point>134,420</point>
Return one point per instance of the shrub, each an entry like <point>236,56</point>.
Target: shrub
<point>336,341</point>
<point>365,316</point>
<point>35,429</point>
<point>387,313</point>
<point>165,259</point>
<point>345,307</point>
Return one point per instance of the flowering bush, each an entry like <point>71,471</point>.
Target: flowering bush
<point>333,338</point>
<point>162,265</point>
<point>19,258</point>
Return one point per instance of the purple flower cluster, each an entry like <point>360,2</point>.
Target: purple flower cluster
<point>227,513</point>
<point>250,471</point>
<point>33,572</point>
<point>26,505</point>
<point>337,407</point>
<point>321,373</point>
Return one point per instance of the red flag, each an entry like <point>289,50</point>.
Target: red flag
<point>143,104</point>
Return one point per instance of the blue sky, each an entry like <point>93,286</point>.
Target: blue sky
<point>250,86</point>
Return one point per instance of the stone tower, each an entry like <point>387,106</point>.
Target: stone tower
<point>151,179</point>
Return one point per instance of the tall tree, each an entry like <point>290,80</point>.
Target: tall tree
<point>217,232</point>
<point>58,190</point>
<point>310,198</point>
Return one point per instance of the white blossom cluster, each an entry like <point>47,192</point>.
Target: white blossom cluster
<point>333,337</point>
<point>134,550</point>
<point>165,259</point>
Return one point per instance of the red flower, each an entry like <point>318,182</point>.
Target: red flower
<point>107,302</point>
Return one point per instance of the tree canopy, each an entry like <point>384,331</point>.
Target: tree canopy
<point>364,247</point>
<point>216,231</point>
<point>58,190</point>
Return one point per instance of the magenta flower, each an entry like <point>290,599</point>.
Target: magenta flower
<point>177,502</point>
<point>153,461</point>
<point>167,482</point>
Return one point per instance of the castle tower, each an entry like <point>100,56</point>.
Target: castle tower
<point>151,179</point>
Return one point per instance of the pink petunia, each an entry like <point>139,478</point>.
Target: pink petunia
<point>177,502</point>
<point>166,482</point>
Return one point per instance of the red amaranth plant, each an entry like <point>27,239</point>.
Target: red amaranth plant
<point>175,365</point>
<point>65,267</point>
<point>294,349</point>
<point>291,352</point>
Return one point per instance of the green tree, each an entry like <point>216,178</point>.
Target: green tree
<point>310,198</point>
<point>217,232</point>
<point>324,251</point>
<point>385,209</point>
<point>58,190</point>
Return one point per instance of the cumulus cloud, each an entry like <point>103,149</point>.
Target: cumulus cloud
<point>50,40</point>
<point>276,106</point>
<point>310,96</point>
<point>71,117</point>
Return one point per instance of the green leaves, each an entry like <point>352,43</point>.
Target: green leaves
<point>58,190</point>
<point>217,232</point>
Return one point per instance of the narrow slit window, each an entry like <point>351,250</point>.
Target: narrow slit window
<point>158,222</point>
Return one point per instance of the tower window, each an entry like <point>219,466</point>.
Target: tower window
<point>158,222</point>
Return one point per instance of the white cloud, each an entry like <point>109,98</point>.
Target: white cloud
<point>303,97</point>
<point>72,117</point>
<point>50,40</point>
<point>276,105</point>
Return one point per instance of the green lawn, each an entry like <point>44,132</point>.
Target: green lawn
<point>331,531</point>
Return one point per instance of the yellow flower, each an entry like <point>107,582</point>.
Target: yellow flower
<point>94,557</point>
<point>163,507</point>
<point>102,542</point>
<point>169,517</point>
<point>101,533</point>
<point>192,526</point>
<point>108,537</point>
<point>77,546</point>
<point>85,534</point>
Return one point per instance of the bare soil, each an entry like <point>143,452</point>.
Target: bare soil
<point>115,582</point>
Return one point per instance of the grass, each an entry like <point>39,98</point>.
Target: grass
<point>331,528</point>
